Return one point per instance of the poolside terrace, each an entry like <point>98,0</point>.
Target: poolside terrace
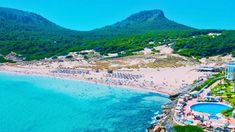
<point>185,115</point>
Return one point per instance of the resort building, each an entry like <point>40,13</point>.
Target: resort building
<point>111,55</point>
<point>230,71</point>
<point>206,69</point>
<point>233,113</point>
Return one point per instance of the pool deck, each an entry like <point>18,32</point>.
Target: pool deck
<point>194,102</point>
<point>188,115</point>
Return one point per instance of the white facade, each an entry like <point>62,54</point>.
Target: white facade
<point>233,113</point>
<point>113,55</point>
<point>230,71</point>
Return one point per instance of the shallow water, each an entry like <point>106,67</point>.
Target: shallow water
<point>44,104</point>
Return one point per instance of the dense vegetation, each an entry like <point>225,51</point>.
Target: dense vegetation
<point>205,45</point>
<point>134,43</point>
<point>34,37</point>
<point>210,81</point>
<point>2,60</point>
<point>188,128</point>
<point>227,113</point>
<point>142,22</point>
<point>226,91</point>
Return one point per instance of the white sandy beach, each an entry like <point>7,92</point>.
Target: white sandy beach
<point>167,81</point>
<point>164,72</point>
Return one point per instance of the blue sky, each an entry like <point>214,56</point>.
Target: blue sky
<point>89,14</point>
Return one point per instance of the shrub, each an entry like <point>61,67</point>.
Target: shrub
<point>187,128</point>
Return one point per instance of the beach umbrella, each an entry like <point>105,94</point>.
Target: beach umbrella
<point>181,100</point>
<point>206,118</point>
<point>204,123</point>
<point>179,105</point>
<point>197,122</point>
<point>231,126</point>
<point>216,125</point>
<point>178,111</point>
<point>191,117</point>
<point>208,125</point>
<point>178,108</point>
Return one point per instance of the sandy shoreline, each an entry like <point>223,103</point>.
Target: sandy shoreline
<point>82,80</point>
<point>164,81</point>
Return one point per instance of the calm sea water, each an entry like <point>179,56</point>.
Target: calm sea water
<point>44,104</point>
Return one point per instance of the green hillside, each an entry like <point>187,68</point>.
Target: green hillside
<point>32,35</point>
<point>142,22</point>
<point>206,45</point>
<point>35,37</point>
<point>139,42</point>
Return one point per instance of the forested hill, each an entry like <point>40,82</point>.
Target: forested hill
<point>206,45</point>
<point>17,20</point>
<point>32,35</point>
<point>142,22</point>
<point>35,37</point>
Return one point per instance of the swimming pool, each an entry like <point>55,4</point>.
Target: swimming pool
<point>210,108</point>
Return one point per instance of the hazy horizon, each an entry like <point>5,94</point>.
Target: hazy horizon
<point>88,15</point>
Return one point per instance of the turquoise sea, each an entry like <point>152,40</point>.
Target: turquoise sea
<point>45,104</point>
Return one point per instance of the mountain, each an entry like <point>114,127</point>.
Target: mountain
<point>33,37</point>
<point>144,21</point>
<point>17,20</point>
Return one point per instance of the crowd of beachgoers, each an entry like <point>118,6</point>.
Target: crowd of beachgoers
<point>168,81</point>
<point>165,79</point>
<point>185,115</point>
